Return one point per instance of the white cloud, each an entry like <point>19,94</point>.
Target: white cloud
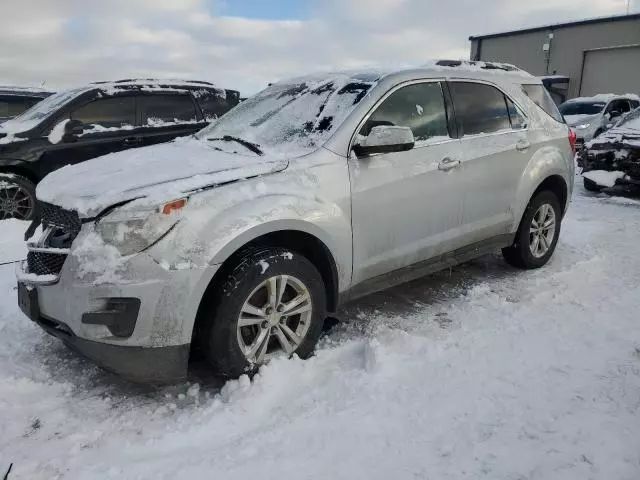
<point>69,42</point>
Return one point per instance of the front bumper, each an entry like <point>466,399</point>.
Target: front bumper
<point>147,339</point>
<point>154,365</point>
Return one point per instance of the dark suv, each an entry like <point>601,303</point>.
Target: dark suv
<point>15,100</point>
<point>83,123</point>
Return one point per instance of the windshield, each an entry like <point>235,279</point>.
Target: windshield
<point>292,118</point>
<point>632,120</point>
<point>581,108</point>
<point>33,116</point>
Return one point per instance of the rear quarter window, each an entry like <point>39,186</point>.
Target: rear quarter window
<point>540,96</point>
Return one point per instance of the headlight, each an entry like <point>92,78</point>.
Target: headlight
<point>131,231</point>
<point>582,126</point>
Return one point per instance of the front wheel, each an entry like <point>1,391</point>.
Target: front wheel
<point>17,197</point>
<point>537,234</point>
<point>271,304</point>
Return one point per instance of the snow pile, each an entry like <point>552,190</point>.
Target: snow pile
<point>603,178</point>
<point>486,372</point>
<point>10,138</point>
<point>57,132</point>
<point>12,244</point>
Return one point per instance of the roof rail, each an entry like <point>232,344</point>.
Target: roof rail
<point>484,65</point>
<point>154,80</point>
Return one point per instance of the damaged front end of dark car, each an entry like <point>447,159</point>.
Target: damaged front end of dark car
<point>611,163</point>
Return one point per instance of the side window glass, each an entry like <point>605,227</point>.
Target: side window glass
<point>12,106</point>
<point>114,112</point>
<point>160,110</point>
<point>213,103</point>
<point>479,108</point>
<point>517,119</point>
<point>420,107</point>
<point>624,106</point>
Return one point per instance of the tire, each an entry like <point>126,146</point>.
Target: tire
<point>17,197</point>
<point>520,254</point>
<point>590,185</point>
<point>221,336</point>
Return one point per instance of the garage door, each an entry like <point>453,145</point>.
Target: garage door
<point>611,70</point>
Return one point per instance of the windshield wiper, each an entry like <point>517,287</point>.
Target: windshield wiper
<point>248,145</point>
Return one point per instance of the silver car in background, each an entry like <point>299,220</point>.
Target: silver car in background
<point>590,116</point>
<point>320,189</point>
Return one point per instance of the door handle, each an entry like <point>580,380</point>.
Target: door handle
<point>522,145</point>
<point>131,141</point>
<point>448,163</point>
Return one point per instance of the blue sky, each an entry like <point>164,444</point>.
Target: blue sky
<point>265,9</point>
<point>244,44</point>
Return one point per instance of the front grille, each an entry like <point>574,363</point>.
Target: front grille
<point>41,263</point>
<point>63,227</point>
<point>54,216</point>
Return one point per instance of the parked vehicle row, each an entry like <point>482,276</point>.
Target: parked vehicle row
<point>239,240</point>
<point>15,100</point>
<point>591,116</point>
<point>75,125</point>
<point>611,162</point>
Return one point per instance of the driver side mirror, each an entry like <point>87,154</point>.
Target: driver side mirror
<point>72,129</point>
<point>385,139</point>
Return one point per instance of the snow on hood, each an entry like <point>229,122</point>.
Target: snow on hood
<point>573,120</point>
<point>159,173</point>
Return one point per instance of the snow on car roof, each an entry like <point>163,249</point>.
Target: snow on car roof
<point>431,67</point>
<point>153,84</point>
<point>605,97</point>
<point>20,90</point>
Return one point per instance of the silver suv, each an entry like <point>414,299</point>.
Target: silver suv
<point>239,241</point>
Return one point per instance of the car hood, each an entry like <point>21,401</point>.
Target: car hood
<point>573,120</point>
<point>159,173</point>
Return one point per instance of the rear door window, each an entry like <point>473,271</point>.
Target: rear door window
<point>419,106</point>
<point>158,110</point>
<point>540,96</point>
<point>481,108</point>
<point>113,112</point>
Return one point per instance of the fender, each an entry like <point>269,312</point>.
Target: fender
<point>546,162</point>
<point>211,243</point>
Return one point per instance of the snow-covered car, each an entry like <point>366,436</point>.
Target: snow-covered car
<point>611,162</point>
<point>315,191</point>
<point>14,100</point>
<point>590,116</point>
<point>83,123</point>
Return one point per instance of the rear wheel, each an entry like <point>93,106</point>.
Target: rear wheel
<point>17,197</point>
<point>537,234</point>
<point>272,304</point>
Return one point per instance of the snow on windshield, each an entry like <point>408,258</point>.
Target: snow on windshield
<point>32,117</point>
<point>292,118</point>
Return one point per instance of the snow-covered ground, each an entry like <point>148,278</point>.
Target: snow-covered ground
<point>482,372</point>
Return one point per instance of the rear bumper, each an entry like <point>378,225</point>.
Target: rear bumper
<point>156,365</point>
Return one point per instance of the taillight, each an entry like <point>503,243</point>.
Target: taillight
<point>572,140</point>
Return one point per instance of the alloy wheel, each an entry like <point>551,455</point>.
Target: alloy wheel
<point>15,201</point>
<point>542,230</point>
<point>274,319</point>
